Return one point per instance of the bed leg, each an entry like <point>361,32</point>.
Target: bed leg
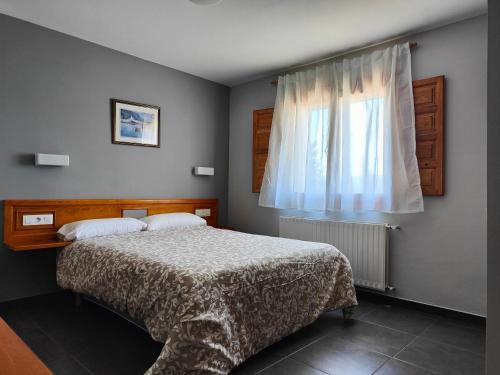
<point>348,313</point>
<point>78,299</point>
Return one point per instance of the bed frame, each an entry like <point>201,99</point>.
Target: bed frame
<point>19,236</point>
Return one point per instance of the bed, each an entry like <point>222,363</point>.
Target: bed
<point>214,297</point>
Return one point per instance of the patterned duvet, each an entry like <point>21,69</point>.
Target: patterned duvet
<point>213,296</point>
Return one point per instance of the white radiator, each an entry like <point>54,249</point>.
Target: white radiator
<point>366,245</point>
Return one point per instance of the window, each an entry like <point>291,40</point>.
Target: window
<point>362,148</point>
<point>366,132</point>
<point>343,137</point>
<point>429,123</point>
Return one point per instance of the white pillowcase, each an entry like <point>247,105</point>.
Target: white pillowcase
<point>80,230</point>
<point>173,220</point>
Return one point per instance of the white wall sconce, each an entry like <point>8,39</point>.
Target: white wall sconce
<point>204,171</point>
<point>52,160</point>
<point>206,2</point>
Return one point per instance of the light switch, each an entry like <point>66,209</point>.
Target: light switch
<point>42,219</point>
<point>202,212</point>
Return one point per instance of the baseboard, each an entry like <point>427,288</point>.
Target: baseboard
<point>396,301</point>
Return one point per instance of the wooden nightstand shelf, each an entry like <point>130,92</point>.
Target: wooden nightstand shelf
<point>19,236</point>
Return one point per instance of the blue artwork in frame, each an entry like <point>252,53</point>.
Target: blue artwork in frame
<point>135,123</point>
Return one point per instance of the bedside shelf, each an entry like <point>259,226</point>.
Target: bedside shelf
<point>36,245</point>
<point>21,236</point>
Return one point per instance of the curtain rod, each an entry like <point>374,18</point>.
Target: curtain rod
<point>412,46</point>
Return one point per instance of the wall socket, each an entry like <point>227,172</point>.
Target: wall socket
<point>42,219</point>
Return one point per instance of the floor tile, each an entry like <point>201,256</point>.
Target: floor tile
<point>403,319</point>
<point>466,322</point>
<point>298,340</point>
<point>23,327</point>
<point>45,348</point>
<point>258,362</point>
<point>290,367</point>
<point>365,307</point>
<point>328,321</point>
<point>90,340</point>
<point>442,358</point>
<point>111,355</point>
<point>78,340</point>
<point>464,338</point>
<point>372,337</point>
<point>67,365</point>
<point>336,356</point>
<point>109,361</point>
<point>71,318</point>
<point>395,367</point>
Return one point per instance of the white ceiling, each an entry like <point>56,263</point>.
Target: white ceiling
<point>238,40</point>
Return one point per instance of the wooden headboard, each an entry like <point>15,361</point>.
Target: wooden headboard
<point>18,235</point>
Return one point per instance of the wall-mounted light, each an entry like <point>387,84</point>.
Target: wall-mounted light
<point>52,160</point>
<point>203,171</point>
<point>206,2</point>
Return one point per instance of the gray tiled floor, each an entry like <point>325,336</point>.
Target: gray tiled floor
<point>379,340</point>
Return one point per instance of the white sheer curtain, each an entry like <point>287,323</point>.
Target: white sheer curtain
<point>343,137</point>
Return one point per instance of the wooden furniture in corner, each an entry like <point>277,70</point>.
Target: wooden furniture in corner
<point>262,120</point>
<point>428,96</point>
<point>429,130</point>
<point>16,357</point>
<point>18,236</point>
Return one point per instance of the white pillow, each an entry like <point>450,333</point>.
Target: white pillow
<point>174,220</point>
<point>80,230</point>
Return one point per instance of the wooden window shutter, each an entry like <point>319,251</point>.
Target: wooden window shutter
<point>262,120</point>
<point>428,95</point>
<point>429,130</point>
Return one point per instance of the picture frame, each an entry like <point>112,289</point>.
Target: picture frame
<point>135,124</point>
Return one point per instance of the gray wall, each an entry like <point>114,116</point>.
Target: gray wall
<point>439,257</point>
<point>493,321</point>
<point>54,98</point>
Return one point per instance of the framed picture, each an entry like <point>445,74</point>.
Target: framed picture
<point>135,123</point>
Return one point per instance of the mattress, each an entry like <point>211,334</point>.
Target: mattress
<point>214,297</point>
